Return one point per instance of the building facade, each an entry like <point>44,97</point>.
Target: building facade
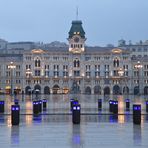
<point>74,69</point>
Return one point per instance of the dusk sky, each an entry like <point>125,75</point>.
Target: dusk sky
<point>104,21</point>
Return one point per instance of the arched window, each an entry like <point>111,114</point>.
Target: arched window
<point>76,63</point>
<point>37,63</point>
<point>116,62</point>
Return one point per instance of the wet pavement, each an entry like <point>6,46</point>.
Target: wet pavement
<point>60,104</point>
<point>54,131</point>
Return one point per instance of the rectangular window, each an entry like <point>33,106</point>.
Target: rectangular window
<point>106,67</point>
<point>65,74</point>
<point>97,67</point>
<point>145,73</point>
<point>115,73</point>
<point>106,74</point>
<point>77,73</point>
<point>106,81</point>
<point>56,74</point>
<point>7,73</point>
<point>46,67</point>
<point>46,73</point>
<point>88,74</point>
<point>87,67</point>
<point>87,58</point>
<point>65,67</point>
<point>97,74</point>
<point>37,73</point>
<point>136,73</point>
<point>56,67</point>
<point>18,74</point>
<point>55,58</point>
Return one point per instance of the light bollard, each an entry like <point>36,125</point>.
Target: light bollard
<point>99,104</point>
<point>111,105</point>
<point>44,104</point>
<point>136,114</point>
<point>2,106</point>
<point>147,106</point>
<point>35,107</point>
<point>127,103</point>
<point>15,114</point>
<point>115,107</point>
<point>76,114</point>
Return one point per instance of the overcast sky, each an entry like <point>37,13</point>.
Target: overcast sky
<point>104,21</point>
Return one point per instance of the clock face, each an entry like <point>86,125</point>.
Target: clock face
<point>76,39</point>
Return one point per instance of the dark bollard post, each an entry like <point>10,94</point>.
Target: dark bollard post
<point>147,106</point>
<point>15,114</point>
<point>115,107</point>
<point>99,104</point>
<point>76,110</point>
<point>127,104</point>
<point>111,105</point>
<point>40,106</point>
<point>2,106</point>
<point>44,104</point>
<point>35,107</point>
<point>137,114</point>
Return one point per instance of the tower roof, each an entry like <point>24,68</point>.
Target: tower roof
<point>76,28</point>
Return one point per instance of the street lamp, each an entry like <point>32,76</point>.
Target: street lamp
<point>120,72</point>
<point>11,66</point>
<point>28,73</point>
<point>138,66</point>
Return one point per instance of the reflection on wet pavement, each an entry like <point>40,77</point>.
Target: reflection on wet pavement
<point>95,130</point>
<point>61,103</point>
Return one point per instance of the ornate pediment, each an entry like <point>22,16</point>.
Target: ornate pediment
<point>37,51</point>
<point>116,50</point>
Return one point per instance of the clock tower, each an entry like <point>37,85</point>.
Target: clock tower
<point>76,38</point>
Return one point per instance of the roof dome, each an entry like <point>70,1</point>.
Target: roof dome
<point>76,29</point>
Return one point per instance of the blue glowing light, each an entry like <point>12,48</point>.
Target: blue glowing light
<point>75,102</point>
<point>137,108</point>
<point>35,103</point>
<point>110,102</point>
<point>44,100</point>
<point>2,102</point>
<point>127,100</point>
<point>78,108</point>
<point>17,108</point>
<point>147,102</point>
<point>13,108</point>
<point>116,102</point>
<point>71,100</point>
<point>76,139</point>
<point>74,108</point>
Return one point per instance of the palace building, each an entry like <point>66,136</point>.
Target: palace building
<point>75,68</point>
